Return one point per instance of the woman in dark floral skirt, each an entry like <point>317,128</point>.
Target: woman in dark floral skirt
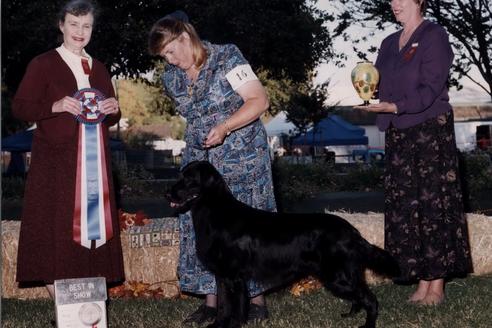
<point>425,225</point>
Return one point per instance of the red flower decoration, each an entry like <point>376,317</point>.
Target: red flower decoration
<point>410,52</point>
<point>127,220</point>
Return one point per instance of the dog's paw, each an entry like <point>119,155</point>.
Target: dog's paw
<point>353,311</point>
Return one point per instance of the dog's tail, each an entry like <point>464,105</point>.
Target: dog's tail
<point>380,261</point>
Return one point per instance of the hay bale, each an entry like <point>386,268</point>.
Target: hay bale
<point>151,252</point>
<point>10,241</point>
<point>150,255</point>
<point>480,232</point>
<point>371,227</point>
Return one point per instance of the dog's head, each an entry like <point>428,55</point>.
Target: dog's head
<point>198,178</point>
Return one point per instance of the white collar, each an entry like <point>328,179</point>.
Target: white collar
<point>73,56</point>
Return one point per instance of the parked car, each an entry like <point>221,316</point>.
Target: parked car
<point>369,155</point>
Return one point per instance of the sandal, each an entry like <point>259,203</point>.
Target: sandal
<point>203,314</point>
<point>257,312</point>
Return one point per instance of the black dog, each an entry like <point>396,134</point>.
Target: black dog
<point>237,243</point>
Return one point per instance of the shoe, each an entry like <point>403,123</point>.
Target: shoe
<point>257,312</point>
<point>203,314</point>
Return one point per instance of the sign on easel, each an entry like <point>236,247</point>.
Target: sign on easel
<point>81,303</point>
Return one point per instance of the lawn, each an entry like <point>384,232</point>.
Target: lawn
<point>468,305</point>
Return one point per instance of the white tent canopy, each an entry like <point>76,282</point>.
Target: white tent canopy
<point>279,125</point>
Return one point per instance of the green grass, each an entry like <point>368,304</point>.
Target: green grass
<point>468,305</point>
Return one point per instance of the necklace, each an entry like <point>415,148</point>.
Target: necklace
<point>190,79</point>
<point>189,89</point>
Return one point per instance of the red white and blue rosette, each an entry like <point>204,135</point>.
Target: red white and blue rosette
<point>92,220</point>
<point>89,106</point>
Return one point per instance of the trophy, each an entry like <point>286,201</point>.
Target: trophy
<point>365,78</point>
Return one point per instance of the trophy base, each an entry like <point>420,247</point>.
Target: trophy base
<point>365,103</point>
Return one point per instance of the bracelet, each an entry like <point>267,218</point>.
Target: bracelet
<point>228,129</point>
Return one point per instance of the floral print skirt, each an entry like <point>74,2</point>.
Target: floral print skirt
<point>425,226</point>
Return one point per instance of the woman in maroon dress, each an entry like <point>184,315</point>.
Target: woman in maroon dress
<point>48,249</point>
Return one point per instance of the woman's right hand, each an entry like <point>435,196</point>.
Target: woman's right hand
<point>66,104</point>
<point>216,136</point>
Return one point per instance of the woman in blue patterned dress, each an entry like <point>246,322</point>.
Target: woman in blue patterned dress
<point>216,91</point>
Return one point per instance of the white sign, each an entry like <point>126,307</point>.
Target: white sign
<point>81,303</point>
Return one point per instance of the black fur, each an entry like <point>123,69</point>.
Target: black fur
<point>237,243</point>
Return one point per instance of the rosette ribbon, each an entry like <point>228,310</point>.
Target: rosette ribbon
<point>92,215</point>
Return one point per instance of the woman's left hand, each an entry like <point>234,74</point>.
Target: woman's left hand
<point>382,107</point>
<point>109,106</point>
<point>216,136</point>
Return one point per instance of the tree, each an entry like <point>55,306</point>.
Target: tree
<point>266,32</point>
<point>307,106</point>
<point>287,38</point>
<point>284,39</point>
<point>469,22</point>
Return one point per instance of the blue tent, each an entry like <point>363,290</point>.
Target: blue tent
<point>333,131</point>
<point>21,142</point>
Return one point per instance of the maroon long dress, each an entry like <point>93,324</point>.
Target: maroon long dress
<point>46,249</point>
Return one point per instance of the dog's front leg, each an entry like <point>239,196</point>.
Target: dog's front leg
<point>232,303</point>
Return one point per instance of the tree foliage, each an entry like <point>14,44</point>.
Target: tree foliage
<point>307,106</point>
<point>284,40</point>
<point>287,38</point>
<point>469,22</point>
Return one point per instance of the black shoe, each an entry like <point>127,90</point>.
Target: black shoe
<point>257,312</point>
<point>203,314</point>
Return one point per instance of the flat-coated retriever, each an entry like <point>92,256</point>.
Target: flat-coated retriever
<point>237,243</point>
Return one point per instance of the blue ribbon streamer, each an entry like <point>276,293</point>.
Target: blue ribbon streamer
<point>92,182</point>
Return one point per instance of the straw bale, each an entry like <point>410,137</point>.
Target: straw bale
<point>154,261</point>
<point>156,264</point>
<point>10,240</point>
<point>371,227</point>
<point>149,262</point>
<point>480,232</point>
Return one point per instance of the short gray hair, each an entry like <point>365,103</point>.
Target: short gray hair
<point>77,8</point>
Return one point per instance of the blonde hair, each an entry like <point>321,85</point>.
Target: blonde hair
<point>167,30</point>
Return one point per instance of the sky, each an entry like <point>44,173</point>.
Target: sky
<point>341,90</point>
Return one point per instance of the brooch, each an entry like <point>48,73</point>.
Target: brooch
<point>410,52</point>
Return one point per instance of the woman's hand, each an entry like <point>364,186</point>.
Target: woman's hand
<point>382,107</point>
<point>216,136</point>
<point>109,106</point>
<point>66,104</point>
<point>255,103</point>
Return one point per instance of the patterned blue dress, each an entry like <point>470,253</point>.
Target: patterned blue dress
<point>243,159</point>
